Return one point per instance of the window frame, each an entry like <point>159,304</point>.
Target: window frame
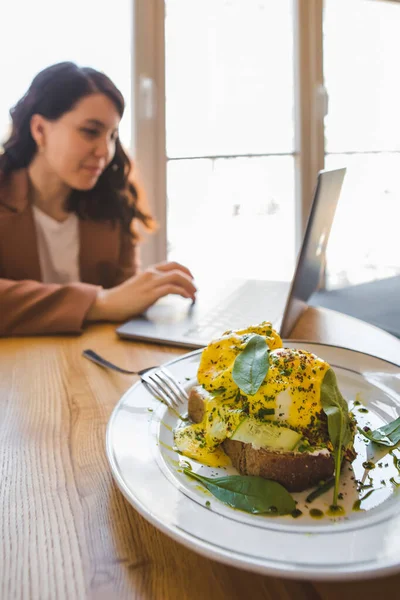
<point>148,122</point>
<point>148,118</point>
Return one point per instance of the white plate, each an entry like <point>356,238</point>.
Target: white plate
<point>362,544</point>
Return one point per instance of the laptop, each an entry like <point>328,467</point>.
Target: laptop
<point>240,303</point>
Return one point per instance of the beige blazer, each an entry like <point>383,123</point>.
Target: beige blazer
<point>107,257</point>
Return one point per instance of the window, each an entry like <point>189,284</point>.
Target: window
<point>245,139</point>
<point>230,136</point>
<point>361,50</point>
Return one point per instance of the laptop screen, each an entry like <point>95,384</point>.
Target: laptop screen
<point>311,258</point>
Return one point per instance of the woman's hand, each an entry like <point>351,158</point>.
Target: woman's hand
<point>136,294</point>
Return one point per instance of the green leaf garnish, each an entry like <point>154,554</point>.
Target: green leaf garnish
<point>387,435</point>
<point>251,494</point>
<point>251,365</point>
<point>339,424</point>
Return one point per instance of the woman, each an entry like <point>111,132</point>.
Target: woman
<point>69,210</point>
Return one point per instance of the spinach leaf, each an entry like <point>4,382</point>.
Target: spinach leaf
<point>339,424</point>
<point>251,494</point>
<point>251,365</point>
<point>387,435</point>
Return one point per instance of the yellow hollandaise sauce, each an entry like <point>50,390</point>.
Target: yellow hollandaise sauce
<point>201,441</point>
<point>218,358</point>
<point>289,395</point>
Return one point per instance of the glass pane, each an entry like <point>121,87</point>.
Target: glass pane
<point>236,220</point>
<point>361,55</point>
<point>365,240</point>
<point>229,77</point>
<point>88,33</point>
<point>361,50</point>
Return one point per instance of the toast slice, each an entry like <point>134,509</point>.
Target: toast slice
<point>296,471</point>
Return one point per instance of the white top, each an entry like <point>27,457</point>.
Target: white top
<point>58,246</point>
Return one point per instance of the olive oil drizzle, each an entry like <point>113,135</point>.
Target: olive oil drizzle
<point>166,446</point>
<point>335,510</point>
<point>396,460</point>
<point>357,503</point>
<point>369,465</point>
<point>175,412</point>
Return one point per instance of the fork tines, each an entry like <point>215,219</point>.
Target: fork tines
<point>162,384</point>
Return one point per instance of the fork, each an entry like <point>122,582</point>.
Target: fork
<point>159,381</point>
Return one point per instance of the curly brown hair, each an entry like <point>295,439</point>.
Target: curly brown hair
<point>53,92</point>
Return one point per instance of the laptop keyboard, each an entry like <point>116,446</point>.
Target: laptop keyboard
<point>241,309</point>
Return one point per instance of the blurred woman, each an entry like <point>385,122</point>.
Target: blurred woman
<point>69,211</point>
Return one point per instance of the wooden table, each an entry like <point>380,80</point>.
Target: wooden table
<point>66,531</point>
